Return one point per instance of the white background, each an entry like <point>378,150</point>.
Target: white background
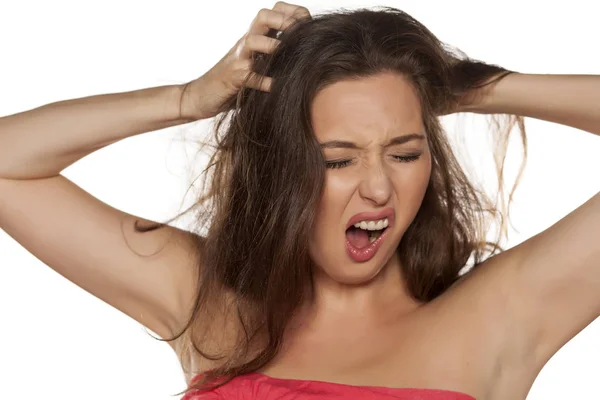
<point>58,341</point>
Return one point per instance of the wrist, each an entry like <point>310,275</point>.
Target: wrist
<point>177,101</point>
<point>496,99</point>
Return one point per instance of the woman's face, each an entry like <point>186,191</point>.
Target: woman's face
<point>373,166</point>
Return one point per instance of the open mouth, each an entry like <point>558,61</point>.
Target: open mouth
<point>362,244</point>
<point>360,238</point>
<point>366,231</point>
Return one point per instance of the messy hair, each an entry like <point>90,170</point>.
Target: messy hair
<point>265,176</point>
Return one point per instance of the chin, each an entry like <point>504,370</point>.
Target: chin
<point>348,272</point>
<point>359,277</point>
<point>342,269</point>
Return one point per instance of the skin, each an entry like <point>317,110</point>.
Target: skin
<point>368,112</point>
<point>491,333</point>
<point>362,327</point>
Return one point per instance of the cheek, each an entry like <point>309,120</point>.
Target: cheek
<point>425,173</point>
<point>422,174</point>
<point>338,188</point>
<point>411,186</point>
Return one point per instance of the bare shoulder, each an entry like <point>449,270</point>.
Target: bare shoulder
<point>218,333</point>
<point>517,309</point>
<point>477,317</point>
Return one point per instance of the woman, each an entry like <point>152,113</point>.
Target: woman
<point>336,134</point>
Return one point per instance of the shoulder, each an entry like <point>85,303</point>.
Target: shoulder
<point>478,316</point>
<point>213,337</point>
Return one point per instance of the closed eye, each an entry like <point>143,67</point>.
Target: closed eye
<point>344,163</point>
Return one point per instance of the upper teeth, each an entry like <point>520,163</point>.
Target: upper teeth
<point>372,225</point>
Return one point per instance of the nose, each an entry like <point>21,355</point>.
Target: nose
<point>376,185</point>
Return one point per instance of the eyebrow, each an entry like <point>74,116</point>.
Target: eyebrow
<point>394,141</point>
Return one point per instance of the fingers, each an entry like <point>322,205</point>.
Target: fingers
<point>291,10</point>
<point>255,82</point>
<point>269,19</point>
<point>281,17</point>
<point>260,43</point>
<point>242,70</point>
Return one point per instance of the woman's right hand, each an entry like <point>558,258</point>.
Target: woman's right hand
<point>205,96</point>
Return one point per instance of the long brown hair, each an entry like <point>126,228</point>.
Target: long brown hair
<point>266,173</point>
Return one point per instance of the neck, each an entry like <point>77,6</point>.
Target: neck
<point>381,299</point>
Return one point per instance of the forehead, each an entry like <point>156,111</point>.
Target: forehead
<point>381,105</point>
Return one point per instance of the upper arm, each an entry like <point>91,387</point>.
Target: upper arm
<point>556,283</point>
<point>94,245</point>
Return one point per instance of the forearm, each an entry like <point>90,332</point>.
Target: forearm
<point>43,141</point>
<point>572,100</point>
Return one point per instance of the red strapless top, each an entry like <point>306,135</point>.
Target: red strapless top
<point>257,386</point>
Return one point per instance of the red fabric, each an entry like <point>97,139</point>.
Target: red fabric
<point>256,386</point>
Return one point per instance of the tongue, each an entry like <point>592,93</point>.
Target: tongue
<point>358,238</point>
